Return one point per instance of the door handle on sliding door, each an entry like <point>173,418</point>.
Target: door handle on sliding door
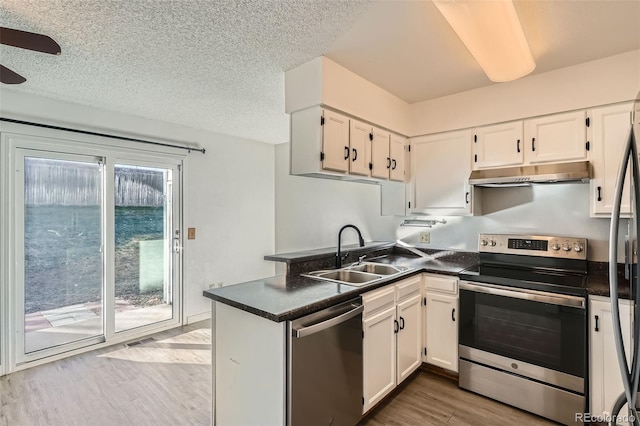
<point>176,242</point>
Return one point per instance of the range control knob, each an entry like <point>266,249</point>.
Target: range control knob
<point>555,246</point>
<point>492,243</point>
<point>483,243</point>
<point>578,248</point>
<point>566,247</point>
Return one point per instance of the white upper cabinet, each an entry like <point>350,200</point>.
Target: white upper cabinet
<point>498,145</point>
<point>397,154</point>
<point>608,134</point>
<point>440,168</point>
<point>388,155</point>
<point>360,145</point>
<point>325,143</point>
<point>557,137</point>
<point>548,139</point>
<point>335,142</point>
<point>380,161</point>
<point>319,143</point>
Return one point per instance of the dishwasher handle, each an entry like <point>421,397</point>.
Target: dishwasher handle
<point>331,322</point>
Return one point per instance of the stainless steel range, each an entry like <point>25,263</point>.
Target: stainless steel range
<point>523,324</point>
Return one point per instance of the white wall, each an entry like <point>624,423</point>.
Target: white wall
<point>229,199</point>
<point>559,209</point>
<point>228,192</point>
<point>311,211</point>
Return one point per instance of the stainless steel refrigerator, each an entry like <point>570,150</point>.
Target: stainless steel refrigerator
<point>629,371</point>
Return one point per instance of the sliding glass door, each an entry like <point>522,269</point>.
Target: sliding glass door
<point>97,249</point>
<point>61,292</point>
<point>144,249</point>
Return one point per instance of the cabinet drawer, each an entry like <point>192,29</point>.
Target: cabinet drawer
<point>377,300</point>
<point>445,285</point>
<point>409,287</point>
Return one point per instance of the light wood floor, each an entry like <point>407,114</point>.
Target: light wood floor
<point>167,381</point>
<point>163,381</point>
<point>429,399</point>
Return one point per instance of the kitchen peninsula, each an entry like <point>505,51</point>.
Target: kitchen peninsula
<point>251,322</point>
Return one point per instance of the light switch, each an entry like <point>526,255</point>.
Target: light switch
<point>191,233</point>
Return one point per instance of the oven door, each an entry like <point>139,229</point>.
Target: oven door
<point>542,329</point>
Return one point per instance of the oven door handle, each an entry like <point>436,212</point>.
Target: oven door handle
<point>526,294</point>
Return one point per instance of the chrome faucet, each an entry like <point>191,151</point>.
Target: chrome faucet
<point>339,257</point>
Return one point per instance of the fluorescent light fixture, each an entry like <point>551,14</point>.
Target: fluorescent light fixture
<point>491,31</point>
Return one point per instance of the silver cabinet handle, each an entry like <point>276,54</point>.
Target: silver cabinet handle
<point>316,328</point>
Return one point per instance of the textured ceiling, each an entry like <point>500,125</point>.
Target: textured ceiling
<point>218,65</point>
<point>215,65</point>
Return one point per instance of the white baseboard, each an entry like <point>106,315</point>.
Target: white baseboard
<point>198,317</point>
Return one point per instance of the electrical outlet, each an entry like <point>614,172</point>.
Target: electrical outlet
<point>191,233</point>
<point>220,284</point>
<point>212,285</point>
<point>425,237</point>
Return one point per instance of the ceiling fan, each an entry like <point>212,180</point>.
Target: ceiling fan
<point>24,40</point>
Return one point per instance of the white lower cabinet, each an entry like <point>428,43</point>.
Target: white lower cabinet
<point>441,326</point>
<point>379,356</point>
<point>605,378</point>
<point>392,343</point>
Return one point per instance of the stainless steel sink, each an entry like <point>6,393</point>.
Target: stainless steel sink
<point>375,268</point>
<point>358,274</point>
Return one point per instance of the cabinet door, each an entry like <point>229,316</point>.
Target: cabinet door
<point>606,382</point>
<point>499,145</point>
<point>441,165</point>
<point>360,148</point>
<point>442,330</point>
<point>609,128</point>
<point>409,336</point>
<point>335,142</point>
<point>558,137</point>
<point>397,153</point>
<point>380,160</point>
<point>379,356</point>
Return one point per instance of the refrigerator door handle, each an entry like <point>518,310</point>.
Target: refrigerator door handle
<point>627,250</point>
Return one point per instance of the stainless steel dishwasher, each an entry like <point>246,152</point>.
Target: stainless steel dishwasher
<point>324,371</point>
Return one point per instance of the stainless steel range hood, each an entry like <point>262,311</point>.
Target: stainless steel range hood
<point>525,175</point>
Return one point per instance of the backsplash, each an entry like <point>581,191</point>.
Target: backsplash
<point>558,209</point>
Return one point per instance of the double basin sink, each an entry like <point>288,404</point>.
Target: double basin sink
<point>358,274</point>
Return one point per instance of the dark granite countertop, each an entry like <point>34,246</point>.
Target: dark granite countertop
<point>598,281</point>
<point>287,297</point>
<point>283,297</point>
